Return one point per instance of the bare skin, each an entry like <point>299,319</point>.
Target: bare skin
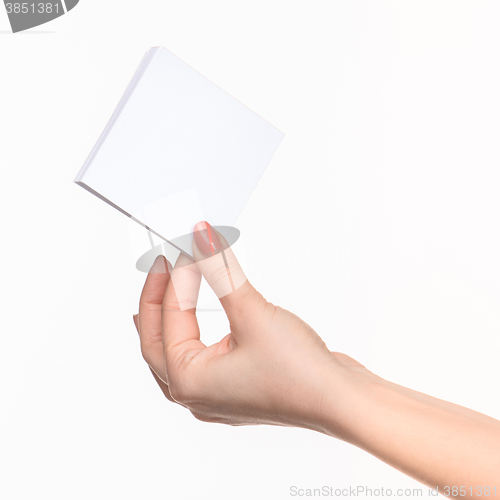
<point>274,369</point>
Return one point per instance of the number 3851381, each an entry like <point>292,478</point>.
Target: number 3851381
<point>33,8</point>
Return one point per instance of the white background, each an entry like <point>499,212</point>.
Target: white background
<point>377,222</point>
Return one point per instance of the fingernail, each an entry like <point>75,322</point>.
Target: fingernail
<point>136,318</point>
<point>159,265</point>
<point>206,238</point>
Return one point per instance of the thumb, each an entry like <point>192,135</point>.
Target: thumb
<point>221,269</point>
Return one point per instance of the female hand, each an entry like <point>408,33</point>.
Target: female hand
<point>272,368</point>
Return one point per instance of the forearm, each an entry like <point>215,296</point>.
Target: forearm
<point>434,441</point>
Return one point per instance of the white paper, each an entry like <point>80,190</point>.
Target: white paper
<point>178,149</point>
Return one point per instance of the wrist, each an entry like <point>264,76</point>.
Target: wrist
<point>347,396</point>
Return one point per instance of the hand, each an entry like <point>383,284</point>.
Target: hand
<point>272,368</point>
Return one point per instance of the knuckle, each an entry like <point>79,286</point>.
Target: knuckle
<point>148,346</point>
<point>179,392</point>
<point>144,352</point>
<point>184,388</point>
<point>219,272</point>
<point>169,305</point>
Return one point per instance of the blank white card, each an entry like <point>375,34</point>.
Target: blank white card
<point>177,150</point>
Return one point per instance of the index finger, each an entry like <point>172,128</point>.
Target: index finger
<point>180,329</point>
